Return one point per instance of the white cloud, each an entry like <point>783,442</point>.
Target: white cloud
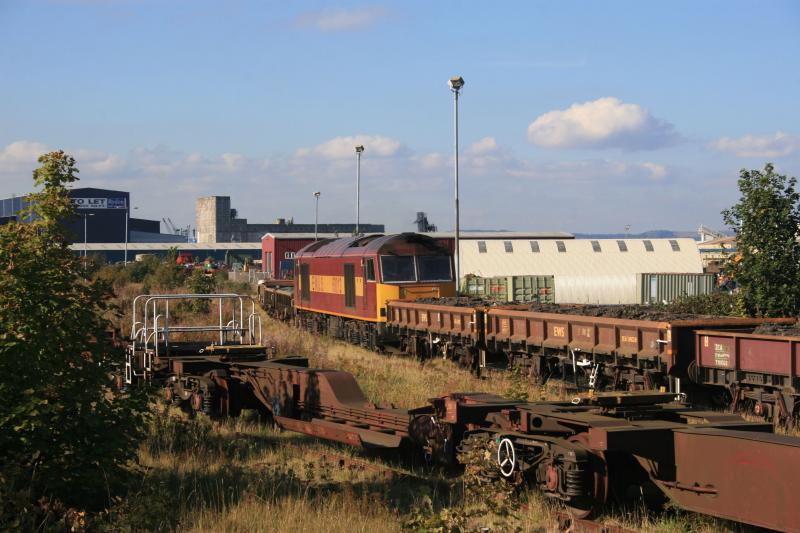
<point>432,160</point>
<point>482,147</point>
<point>657,171</point>
<point>598,172</point>
<point>777,145</point>
<point>344,147</point>
<point>333,20</point>
<point>602,123</point>
<point>24,152</point>
<point>498,187</point>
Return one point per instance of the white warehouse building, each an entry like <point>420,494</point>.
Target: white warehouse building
<point>602,271</point>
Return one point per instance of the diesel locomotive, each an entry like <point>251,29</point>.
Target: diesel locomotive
<point>342,286</point>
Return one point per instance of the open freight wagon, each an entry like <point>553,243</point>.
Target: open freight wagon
<point>596,352</point>
<point>756,372</point>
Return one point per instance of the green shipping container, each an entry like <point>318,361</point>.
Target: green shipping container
<point>508,289</point>
<point>665,288</point>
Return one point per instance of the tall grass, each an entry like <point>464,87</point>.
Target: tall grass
<point>238,476</point>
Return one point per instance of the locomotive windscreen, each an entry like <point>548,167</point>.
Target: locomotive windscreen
<point>397,268</point>
<point>434,268</point>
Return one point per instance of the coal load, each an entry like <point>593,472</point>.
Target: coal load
<point>625,312</point>
<point>780,330</point>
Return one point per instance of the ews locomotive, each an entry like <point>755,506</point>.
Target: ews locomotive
<point>342,286</point>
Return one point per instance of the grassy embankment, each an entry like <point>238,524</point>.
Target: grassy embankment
<point>239,476</point>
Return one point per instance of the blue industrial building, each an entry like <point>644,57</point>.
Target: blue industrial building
<point>101,216</point>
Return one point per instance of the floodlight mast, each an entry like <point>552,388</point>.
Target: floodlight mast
<point>359,151</point>
<point>316,213</point>
<point>456,83</point>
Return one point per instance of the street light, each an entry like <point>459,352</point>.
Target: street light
<point>127,217</point>
<point>85,231</point>
<point>359,150</point>
<point>316,213</point>
<point>456,83</point>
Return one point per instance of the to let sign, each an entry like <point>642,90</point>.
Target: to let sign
<point>99,203</point>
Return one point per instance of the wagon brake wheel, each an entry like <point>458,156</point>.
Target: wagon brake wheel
<point>506,457</point>
<point>597,481</point>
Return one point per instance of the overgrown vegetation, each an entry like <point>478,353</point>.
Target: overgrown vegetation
<point>716,304</point>
<point>766,220</point>
<point>66,439</point>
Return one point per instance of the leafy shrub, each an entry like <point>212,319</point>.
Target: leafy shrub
<point>200,283</point>
<point>717,304</point>
<point>166,276</point>
<point>65,435</point>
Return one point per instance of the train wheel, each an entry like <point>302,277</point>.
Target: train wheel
<point>506,458</point>
<point>596,480</point>
<point>197,402</point>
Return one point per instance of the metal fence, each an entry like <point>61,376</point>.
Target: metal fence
<point>251,276</point>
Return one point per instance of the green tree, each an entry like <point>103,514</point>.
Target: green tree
<point>766,221</point>
<point>201,283</point>
<point>65,434</point>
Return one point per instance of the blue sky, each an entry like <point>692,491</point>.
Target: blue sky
<point>576,116</point>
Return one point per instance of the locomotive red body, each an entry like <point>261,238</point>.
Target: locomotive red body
<point>342,286</point>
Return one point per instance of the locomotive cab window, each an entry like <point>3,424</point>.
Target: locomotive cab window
<point>369,270</point>
<point>398,269</point>
<point>434,268</point>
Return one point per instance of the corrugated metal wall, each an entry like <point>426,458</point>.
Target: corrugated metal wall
<point>631,288</point>
<point>599,289</point>
<point>664,288</point>
<point>511,288</point>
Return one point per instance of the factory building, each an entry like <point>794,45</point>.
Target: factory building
<point>586,271</point>
<point>101,216</point>
<point>716,252</point>
<point>216,221</point>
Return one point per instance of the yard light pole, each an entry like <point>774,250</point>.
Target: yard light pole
<point>359,150</point>
<point>316,213</point>
<point>456,83</point>
<point>127,218</point>
<point>85,231</point>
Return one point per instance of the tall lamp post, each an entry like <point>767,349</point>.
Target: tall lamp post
<point>456,83</point>
<point>359,150</point>
<point>85,231</point>
<point>127,218</point>
<point>316,213</point>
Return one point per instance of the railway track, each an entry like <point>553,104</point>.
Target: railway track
<point>584,454</point>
